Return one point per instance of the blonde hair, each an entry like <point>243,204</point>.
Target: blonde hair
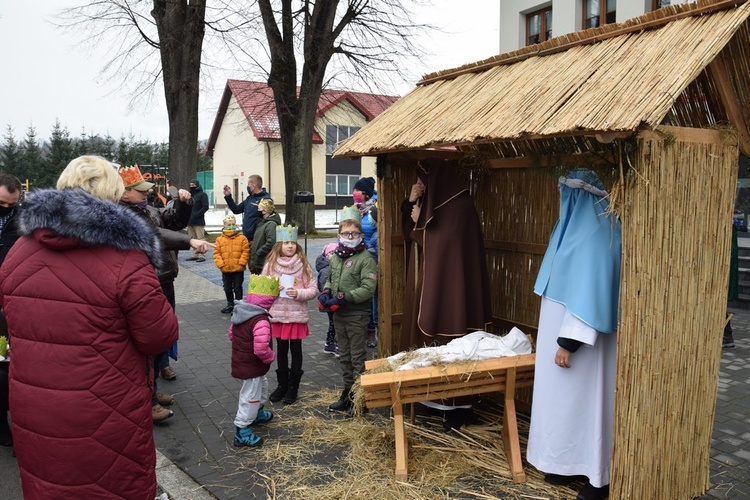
<point>275,253</point>
<point>95,175</point>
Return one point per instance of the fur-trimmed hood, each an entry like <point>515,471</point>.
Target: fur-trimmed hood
<point>74,213</point>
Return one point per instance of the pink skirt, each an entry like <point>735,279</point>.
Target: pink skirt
<point>289,331</point>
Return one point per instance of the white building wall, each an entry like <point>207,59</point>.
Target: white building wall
<point>347,115</point>
<point>567,17</point>
<point>273,177</point>
<point>237,154</point>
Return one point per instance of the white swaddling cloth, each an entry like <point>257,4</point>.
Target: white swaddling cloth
<point>476,346</point>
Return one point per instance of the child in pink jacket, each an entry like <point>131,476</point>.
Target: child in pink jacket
<point>289,314</point>
<point>252,355</point>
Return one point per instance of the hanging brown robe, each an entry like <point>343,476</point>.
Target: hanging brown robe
<point>447,287</point>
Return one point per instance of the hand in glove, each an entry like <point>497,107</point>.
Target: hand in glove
<point>337,302</point>
<point>323,299</point>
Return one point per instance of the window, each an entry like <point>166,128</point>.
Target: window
<point>539,26</point>
<point>598,12</point>
<point>341,184</point>
<point>658,4</point>
<point>336,134</point>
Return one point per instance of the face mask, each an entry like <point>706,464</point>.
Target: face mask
<point>350,243</point>
<point>249,191</point>
<point>6,210</point>
<point>193,189</point>
<point>230,227</point>
<point>358,197</point>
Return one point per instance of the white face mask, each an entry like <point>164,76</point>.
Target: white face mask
<point>350,243</point>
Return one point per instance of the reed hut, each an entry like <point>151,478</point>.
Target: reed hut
<point>658,106</point>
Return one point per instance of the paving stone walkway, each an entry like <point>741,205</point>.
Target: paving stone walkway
<point>198,438</point>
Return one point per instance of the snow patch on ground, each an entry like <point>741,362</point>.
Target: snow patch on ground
<point>324,219</point>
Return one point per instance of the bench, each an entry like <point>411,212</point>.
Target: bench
<point>396,388</point>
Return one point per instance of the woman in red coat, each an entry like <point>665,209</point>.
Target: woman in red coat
<point>85,311</point>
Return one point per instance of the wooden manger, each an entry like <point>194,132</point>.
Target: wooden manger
<point>397,388</point>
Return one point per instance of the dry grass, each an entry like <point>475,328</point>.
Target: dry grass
<point>325,456</point>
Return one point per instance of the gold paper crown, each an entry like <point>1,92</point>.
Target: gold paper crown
<point>228,218</point>
<point>131,176</point>
<point>286,233</point>
<point>261,284</point>
<point>351,213</point>
<point>266,203</point>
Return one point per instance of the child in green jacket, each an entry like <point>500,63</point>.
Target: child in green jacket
<point>352,280</point>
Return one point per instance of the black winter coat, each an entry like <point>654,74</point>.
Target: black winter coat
<point>169,221</point>
<point>9,235</point>
<point>249,210</point>
<point>200,207</point>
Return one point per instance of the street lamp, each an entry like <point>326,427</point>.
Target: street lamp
<point>304,197</point>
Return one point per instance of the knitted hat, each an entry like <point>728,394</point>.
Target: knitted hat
<point>366,185</point>
<point>330,248</point>
<point>133,179</point>
<point>266,204</point>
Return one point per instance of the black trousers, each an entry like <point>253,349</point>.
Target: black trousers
<point>233,285</point>
<point>168,289</point>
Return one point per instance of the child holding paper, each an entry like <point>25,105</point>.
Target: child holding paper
<point>289,316</point>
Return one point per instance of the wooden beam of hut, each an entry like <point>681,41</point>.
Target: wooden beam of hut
<point>728,96</point>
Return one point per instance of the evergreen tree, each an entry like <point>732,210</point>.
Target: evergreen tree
<point>106,147</point>
<point>80,145</point>
<point>31,159</point>
<point>56,156</point>
<point>122,152</point>
<point>161,154</point>
<point>140,152</point>
<point>204,162</point>
<point>10,153</point>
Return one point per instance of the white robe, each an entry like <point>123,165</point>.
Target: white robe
<point>572,409</point>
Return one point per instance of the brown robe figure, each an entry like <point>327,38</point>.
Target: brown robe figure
<point>447,287</point>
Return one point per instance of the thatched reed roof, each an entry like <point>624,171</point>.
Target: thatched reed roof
<point>616,78</point>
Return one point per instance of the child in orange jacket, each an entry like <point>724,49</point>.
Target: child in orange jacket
<point>231,256</point>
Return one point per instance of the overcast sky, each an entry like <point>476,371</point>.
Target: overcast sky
<point>48,75</point>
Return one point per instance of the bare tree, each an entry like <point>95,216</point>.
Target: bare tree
<point>353,43</point>
<point>365,35</point>
<point>176,29</point>
<point>180,25</point>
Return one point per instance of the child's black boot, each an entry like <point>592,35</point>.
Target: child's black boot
<point>344,402</point>
<point>282,375</point>
<point>291,393</point>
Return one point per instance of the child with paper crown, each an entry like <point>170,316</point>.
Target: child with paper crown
<point>322,265</point>
<point>289,316</point>
<point>265,234</point>
<point>252,355</point>
<point>231,256</point>
<point>351,282</point>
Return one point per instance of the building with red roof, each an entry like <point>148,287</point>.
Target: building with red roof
<point>245,140</point>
